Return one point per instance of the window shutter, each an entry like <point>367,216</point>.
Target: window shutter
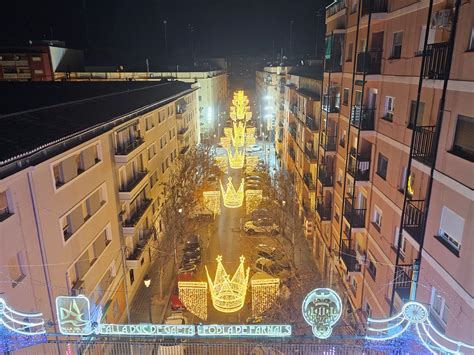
<point>452,224</point>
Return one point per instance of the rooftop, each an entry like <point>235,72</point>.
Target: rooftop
<point>37,116</point>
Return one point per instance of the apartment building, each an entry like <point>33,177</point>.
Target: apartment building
<point>395,173</point>
<point>80,187</point>
<point>212,84</point>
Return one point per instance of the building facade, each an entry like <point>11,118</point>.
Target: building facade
<point>395,173</point>
<point>80,200</point>
<point>212,84</point>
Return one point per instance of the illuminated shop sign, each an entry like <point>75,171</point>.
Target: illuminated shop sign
<point>146,330</point>
<point>228,330</point>
<point>322,308</point>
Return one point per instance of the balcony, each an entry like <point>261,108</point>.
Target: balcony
<point>369,62</point>
<point>133,260</point>
<point>335,7</point>
<point>331,103</point>
<point>124,150</point>
<point>324,212</point>
<point>308,181</point>
<point>349,256</point>
<point>423,144</point>
<point>292,130</point>
<point>291,153</point>
<point>413,219</point>
<point>294,109</point>
<point>328,143</point>
<point>362,118</point>
<point>374,6</point>
<point>309,153</point>
<point>436,61</point>
<point>359,168</point>
<point>402,284</point>
<point>325,176</point>
<point>128,190</point>
<point>182,132</point>
<point>355,217</point>
<point>135,217</point>
<point>311,123</point>
<point>184,150</point>
<point>333,64</point>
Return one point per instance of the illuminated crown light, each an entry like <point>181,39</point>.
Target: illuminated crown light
<point>228,295</point>
<point>236,159</point>
<point>232,198</point>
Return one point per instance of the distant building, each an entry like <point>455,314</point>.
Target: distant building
<point>81,173</point>
<point>39,61</point>
<point>211,97</point>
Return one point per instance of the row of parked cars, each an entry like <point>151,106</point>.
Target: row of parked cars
<point>272,261</point>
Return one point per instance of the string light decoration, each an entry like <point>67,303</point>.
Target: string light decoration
<point>265,291</point>
<point>253,198</point>
<point>222,163</point>
<point>236,158</point>
<point>232,198</point>
<point>410,185</point>
<point>194,297</point>
<point>414,318</point>
<point>21,323</point>
<point>251,162</point>
<point>238,138</point>
<point>228,295</point>
<point>250,136</point>
<point>212,201</point>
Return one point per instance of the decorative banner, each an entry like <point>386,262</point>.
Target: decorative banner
<point>22,323</point>
<point>228,295</point>
<point>253,198</point>
<point>73,314</point>
<point>249,330</point>
<point>232,198</point>
<point>265,291</point>
<point>194,297</point>
<point>415,317</point>
<point>322,308</point>
<point>212,201</point>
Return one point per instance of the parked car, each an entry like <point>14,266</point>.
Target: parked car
<point>176,318</point>
<point>273,268</point>
<point>187,268</point>
<point>253,178</point>
<point>176,304</point>
<point>193,242</point>
<point>252,186</point>
<point>268,252</point>
<point>192,257</point>
<point>261,226</point>
<point>174,347</point>
<point>253,148</point>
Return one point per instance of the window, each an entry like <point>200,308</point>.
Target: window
<point>163,141</point>
<point>431,38</point>
<point>350,49</point>
<point>38,71</point>
<point>362,45</point>
<point>403,245</point>
<point>36,59</point>
<point>337,213</point>
<point>354,6</point>
<point>358,98</point>
<point>382,165</point>
<point>153,178</point>
<point>416,119</point>
<point>132,276</point>
<point>354,284</point>
<point>372,269</point>
<point>439,307</point>
<point>4,210</point>
<point>342,140</point>
<point>161,116</point>
<point>389,108</point>
<point>368,309</point>
<point>149,122</point>
<point>345,96</point>
<point>471,40</point>
<point>16,268</point>
<point>151,151</point>
<point>339,176</point>
<point>403,180</point>
<point>163,168</point>
<point>451,229</point>
<point>397,45</point>
<point>377,218</point>
<point>463,145</point>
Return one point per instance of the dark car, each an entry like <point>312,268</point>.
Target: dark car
<point>193,242</point>
<point>268,252</point>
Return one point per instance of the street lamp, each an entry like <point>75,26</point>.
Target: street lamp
<point>147,281</point>
<point>180,210</point>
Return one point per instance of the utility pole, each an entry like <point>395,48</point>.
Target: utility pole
<point>166,39</point>
<point>291,38</point>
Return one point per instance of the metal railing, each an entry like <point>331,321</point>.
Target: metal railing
<point>184,150</point>
<point>369,62</point>
<point>413,219</point>
<point>325,176</point>
<point>323,211</point>
<point>291,153</point>
<point>374,6</point>
<point>335,7</point>
<point>132,183</point>
<point>328,142</point>
<point>402,282</point>
<point>135,217</point>
<point>140,247</point>
<point>355,216</point>
<point>423,144</point>
<point>363,118</point>
<point>310,154</point>
<point>436,61</point>
<point>331,103</point>
<point>308,181</point>
<point>183,131</point>
<point>126,148</point>
<point>311,123</point>
<point>334,63</point>
<point>348,256</point>
<point>359,168</point>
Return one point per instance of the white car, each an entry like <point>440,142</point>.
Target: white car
<point>176,318</point>
<point>175,347</point>
<point>260,226</point>
<point>253,148</point>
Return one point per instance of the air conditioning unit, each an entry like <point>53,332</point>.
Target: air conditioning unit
<point>441,18</point>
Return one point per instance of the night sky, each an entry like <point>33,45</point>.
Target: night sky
<point>134,29</point>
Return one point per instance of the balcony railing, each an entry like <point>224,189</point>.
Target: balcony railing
<point>328,142</point>
<point>355,216</point>
<point>294,109</point>
<point>331,104</point>
<point>402,283</point>
<point>126,148</point>
<point>292,130</point>
<point>359,168</point>
<point>323,211</point>
<point>348,256</point>
<point>333,64</point>
<point>133,220</point>
<point>413,219</point>
<point>291,153</point>
<point>184,150</point>
<point>325,176</point>
<point>374,6</point>
<point>183,131</point>
<point>310,153</point>
<point>436,61</point>
<point>130,185</point>
<point>140,247</point>
<point>363,118</point>
<point>312,124</point>
<point>335,7</point>
<point>423,144</point>
<point>369,62</point>
<point>308,181</point>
